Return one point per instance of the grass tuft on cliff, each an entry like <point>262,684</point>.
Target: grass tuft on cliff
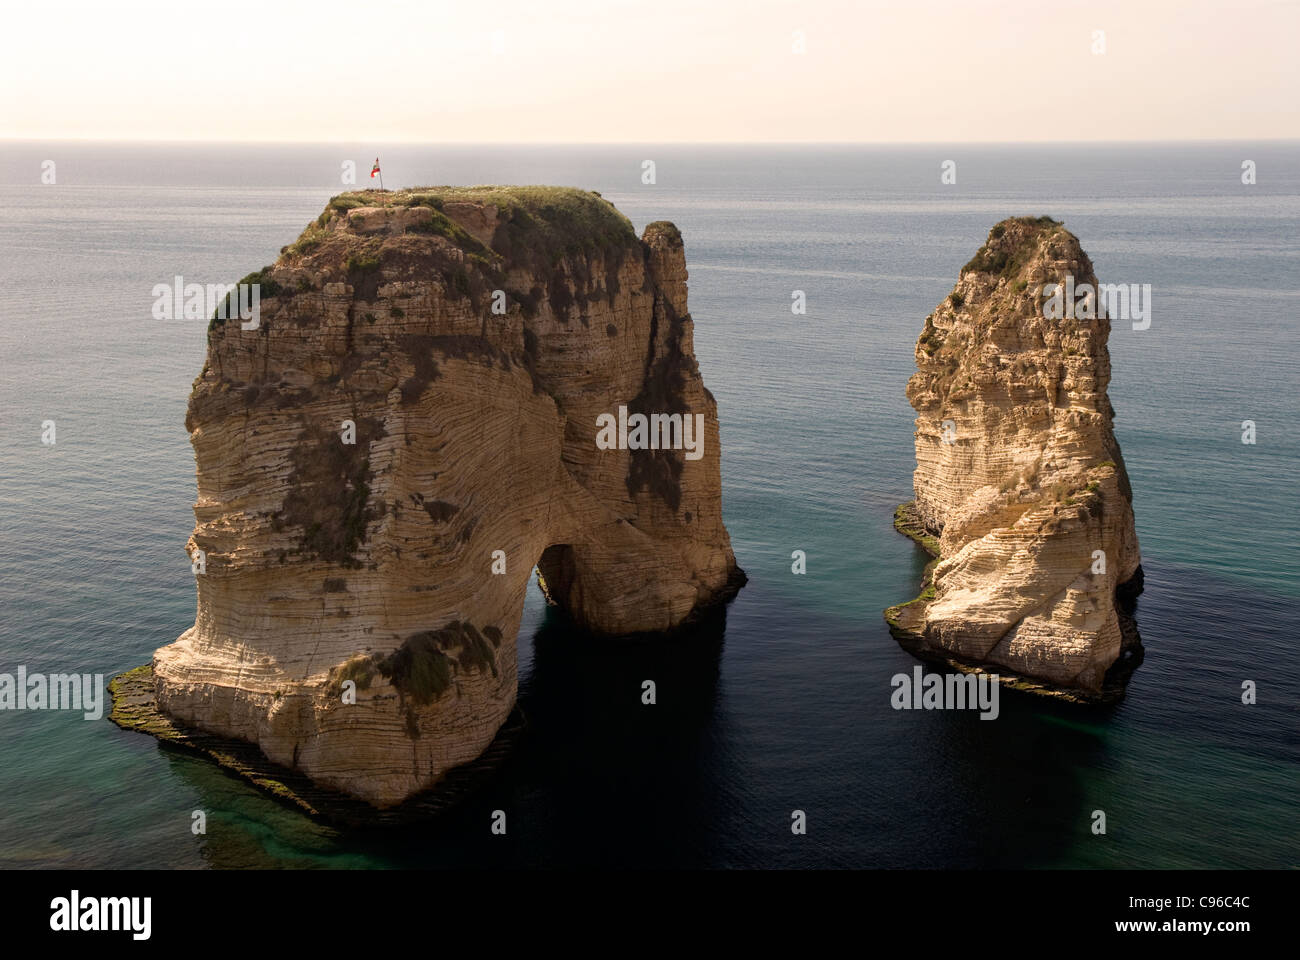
<point>571,236</point>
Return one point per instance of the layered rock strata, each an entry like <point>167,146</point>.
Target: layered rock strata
<point>407,431</point>
<point>1020,488</point>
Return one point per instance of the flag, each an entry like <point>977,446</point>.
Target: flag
<point>375,172</point>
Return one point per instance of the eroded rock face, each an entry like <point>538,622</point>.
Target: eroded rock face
<point>1019,483</point>
<point>377,561</point>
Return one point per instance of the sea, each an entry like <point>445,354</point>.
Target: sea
<point>779,711</point>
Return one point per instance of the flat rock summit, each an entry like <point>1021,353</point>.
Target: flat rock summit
<point>1020,489</point>
<point>409,428</point>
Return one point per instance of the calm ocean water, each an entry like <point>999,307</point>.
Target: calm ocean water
<point>787,706</point>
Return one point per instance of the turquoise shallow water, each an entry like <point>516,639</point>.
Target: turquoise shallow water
<point>785,705</point>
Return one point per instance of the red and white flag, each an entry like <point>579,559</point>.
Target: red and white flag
<point>375,172</point>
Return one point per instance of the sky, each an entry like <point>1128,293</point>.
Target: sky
<point>651,71</point>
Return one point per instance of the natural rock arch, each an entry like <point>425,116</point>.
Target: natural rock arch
<point>371,564</point>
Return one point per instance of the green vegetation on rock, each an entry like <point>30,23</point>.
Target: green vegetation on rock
<point>998,256</point>
<point>557,221</point>
<point>266,288</point>
<point>329,492</point>
<point>358,670</point>
<point>665,227</point>
<point>426,663</point>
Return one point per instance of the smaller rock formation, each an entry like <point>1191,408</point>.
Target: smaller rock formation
<point>1021,491</point>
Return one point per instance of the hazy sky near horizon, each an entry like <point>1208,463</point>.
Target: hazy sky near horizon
<point>641,71</point>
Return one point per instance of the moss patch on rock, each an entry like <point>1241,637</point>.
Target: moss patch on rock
<point>1008,247</point>
<point>329,492</point>
<point>418,668</point>
<point>426,665</point>
<point>358,669</point>
<point>907,521</point>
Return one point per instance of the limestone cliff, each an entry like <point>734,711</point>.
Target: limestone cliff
<point>469,338</point>
<point>1020,488</point>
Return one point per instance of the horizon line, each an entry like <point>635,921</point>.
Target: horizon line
<point>657,143</point>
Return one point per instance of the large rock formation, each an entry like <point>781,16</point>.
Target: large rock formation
<point>1020,488</point>
<point>468,339</point>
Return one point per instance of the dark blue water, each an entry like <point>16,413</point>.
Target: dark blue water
<point>784,704</point>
